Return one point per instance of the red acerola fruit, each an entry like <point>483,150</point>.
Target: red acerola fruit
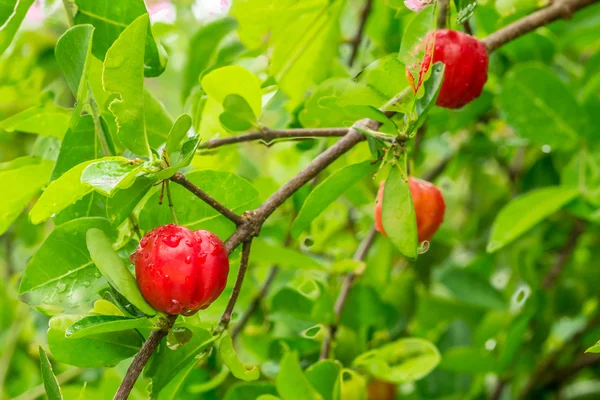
<point>429,207</point>
<point>466,60</point>
<point>179,271</point>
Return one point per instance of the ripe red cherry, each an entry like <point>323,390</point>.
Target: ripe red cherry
<point>466,61</point>
<point>429,207</point>
<point>180,271</point>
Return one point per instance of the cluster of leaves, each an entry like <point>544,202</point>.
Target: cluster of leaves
<point>88,120</point>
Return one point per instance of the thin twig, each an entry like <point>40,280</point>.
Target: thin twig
<point>340,303</point>
<point>180,179</point>
<point>557,10</point>
<point>364,15</point>
<point>237,288</point>
<point>170,200</point>
<point>467,27</point>
<point>140,360</point>
<point>564,255</point>
<point>443,11</point>
<point>268,136</point>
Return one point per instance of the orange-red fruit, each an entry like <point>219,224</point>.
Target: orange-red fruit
<point>179,271</point>
<point>466,60</point>
<point>429,207</point>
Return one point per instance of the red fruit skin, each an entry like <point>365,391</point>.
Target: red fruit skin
<point>179,271</point>
<point>429,207</point>
<point>466,60</point>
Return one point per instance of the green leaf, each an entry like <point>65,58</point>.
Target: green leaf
<point>327,192</point>
<point>79,144</point>
<point>325,377</point>
<point>12,16</point>
<point>62,192</point>
<point>61,273</point>
<point>398,214</point>
<point>232,361</point>
<point>21,182</point>
<point>110,174</point>
<point>98,324</point>
<point>250,390</point>
<point>284,257</point>
<point>416,30</point>
<point>595,348</point>
<point>432,87</point>
<point>229,189</point>
<point>123,201</point>
<point>291,382</point>
<point>90,352</point>
<point>525,212</point>
<point>177,133</point>
<point>50,383</point>
<point>110,21</point>
<point>172,362</point>
<point>125,63</point>
<point>404,360</point>
<point>72,51</point>
<point>44,120</point>
<point>203,46</point>
<point>552,115</point>
<point>158,120</point>
<point>114,270</point>
<point>469,360</point>
<point>238,116</point>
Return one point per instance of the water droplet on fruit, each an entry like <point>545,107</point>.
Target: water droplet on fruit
<point>144,241</point>
<point>189,243</point>
<point>146,256</point>
<point>61,287</point>
<point>172,240</point>
<point>188,259</point>
<point>133,257</point>
<point>424,247</point>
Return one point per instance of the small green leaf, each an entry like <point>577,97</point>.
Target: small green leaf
<point>178,132</point>
<point>238,116</point>
<point>110,174</point>
<point>327,192</point>
<point>98,324</point>
<point>291,382</point>
<point>404,360</point>
<point>112,21</point>
<point>114,270</point>
<point>121,204</point>
<point>472,288</point>
<point>398,214</point>
<point>79,144</point>
<point>90,352</point>
<point>125,63</point>
<point>231,359</point>
<point>432,87</point>
<point>21,180</point>
<point>72,51</point>
<point>50,383</point>
<point>595,348</point>
<point>225,81</point>
<point>325,377</point>
<point>525,212</point>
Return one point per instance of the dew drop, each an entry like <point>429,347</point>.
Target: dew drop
<point>146,256</point>
<point>172,240</point>
<point>144,241</point>
<point>189,243</point>
<point>188,259</point>
<point>86,283</point>
<point>97,274</point>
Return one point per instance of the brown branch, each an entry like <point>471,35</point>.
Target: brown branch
<point>562,9</point>
<point>442,17</point>
<point>269,136</point>
<point>467,27</point>
<point>140,360</point>
<point>340,302</point>
<point>180,179</point>
<point>237,328</point>
<point>563,256</point>
<point>364,15</point>
<point>237,288</point>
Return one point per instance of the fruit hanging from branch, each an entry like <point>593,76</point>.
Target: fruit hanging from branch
<point>180,271</point>
<point>466,60</point>
<point>429,207</point>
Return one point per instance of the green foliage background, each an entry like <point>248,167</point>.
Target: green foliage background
<point>505,295</point>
